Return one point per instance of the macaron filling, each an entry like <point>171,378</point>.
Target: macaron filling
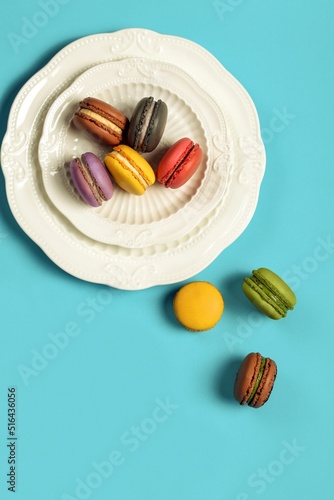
<point>276,301</point>
<point>90,179</point>
<point>146,124</point>
<point>257,381</point>
<point>266,283</point>
<point>126,162</point>
<point>91,115</point>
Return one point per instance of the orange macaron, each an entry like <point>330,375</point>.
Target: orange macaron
<point>129,169</point>
<point>198,306</point>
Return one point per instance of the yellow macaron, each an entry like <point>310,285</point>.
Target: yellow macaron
<point>129,169</point>
<point>198,306</point>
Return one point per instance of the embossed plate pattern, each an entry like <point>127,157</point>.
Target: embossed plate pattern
<point>161,215</point>
<point>121,267</point>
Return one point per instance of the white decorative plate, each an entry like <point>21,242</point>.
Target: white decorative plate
<point>130,268</point>
<point>161,215</point>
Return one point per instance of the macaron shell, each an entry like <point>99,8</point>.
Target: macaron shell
<point>187,168</point>
<point>105,110</point>
<point>125,178</point>
<point>100,132</point>
<point>246,377</point>
<point>100,174</point>
<point>266,385</point>
<point>93,130</point>
<point>172,170</point>
<point>261,301</point>
<point>153,130</point>
<point>157,127</point>
<point>84,184</point>
<point>198,306</point>
<point>269,293</point>
<point>136,122</point>
<point>277,285</point>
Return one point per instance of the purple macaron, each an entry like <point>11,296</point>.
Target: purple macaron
<point>91,179</point>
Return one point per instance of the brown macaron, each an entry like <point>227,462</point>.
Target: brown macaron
<point>255,380</point>
<point>101,121</point>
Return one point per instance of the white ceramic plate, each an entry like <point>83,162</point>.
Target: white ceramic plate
<point>161,215</point>
<point>121,267</point>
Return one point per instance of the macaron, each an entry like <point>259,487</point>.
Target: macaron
<point>129,169</point>
<point>255,380</point>
<point>269,293</point>
<point>101,121</point>
<point>179,163</point>
<point>147,124</point>
<point>91,179</point>
<point>198,306</point>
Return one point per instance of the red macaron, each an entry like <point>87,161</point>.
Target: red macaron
<point>179,163</point>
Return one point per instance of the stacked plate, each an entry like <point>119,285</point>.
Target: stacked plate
<point>166,235</point>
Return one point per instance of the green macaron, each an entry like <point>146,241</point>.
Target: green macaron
<point>269,293</point>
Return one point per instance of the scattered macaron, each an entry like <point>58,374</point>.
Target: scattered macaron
<point>255,380</point>
<point>147,124</point>
<point>198,306</point>
<point>179,163</point>
<point>269,293</point>
<point>100,120</point>
<point>91,179</point>
<point>129,169</point>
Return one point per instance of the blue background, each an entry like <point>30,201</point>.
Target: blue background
<point>131,368</point>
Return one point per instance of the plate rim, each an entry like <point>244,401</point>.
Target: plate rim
<point>209,180</point>
<point>134,279</point>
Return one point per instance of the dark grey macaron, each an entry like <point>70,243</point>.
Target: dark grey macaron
<point>147,124</point>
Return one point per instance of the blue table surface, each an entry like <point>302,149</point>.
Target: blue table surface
<point>132,406</point>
